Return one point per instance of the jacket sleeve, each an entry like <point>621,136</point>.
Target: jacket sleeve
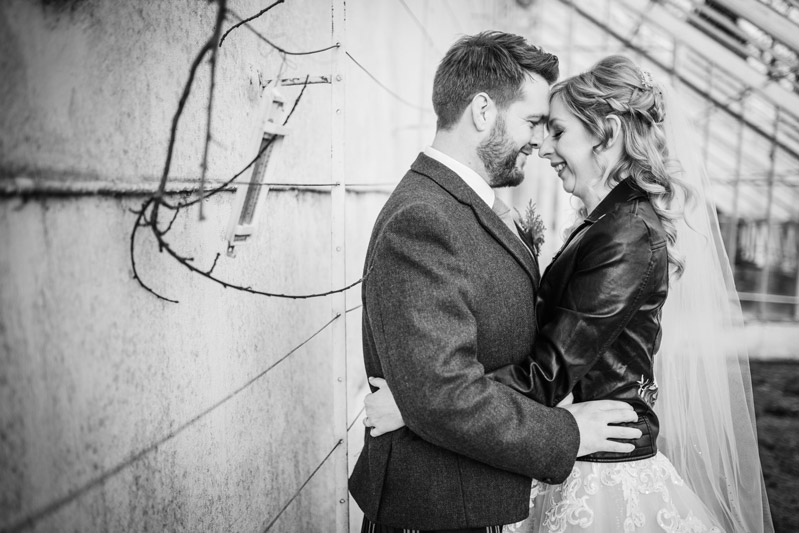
<point>612,279</point>
<point>418,309</point>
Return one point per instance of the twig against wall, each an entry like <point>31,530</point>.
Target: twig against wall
<point>280,49</point>
<point>147,216</point>
<point>248,19</point>
<point>220,16</point>
<point>38,515</point>
<point>204,195</point>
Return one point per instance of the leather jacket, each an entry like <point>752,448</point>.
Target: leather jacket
<point>598,309</point>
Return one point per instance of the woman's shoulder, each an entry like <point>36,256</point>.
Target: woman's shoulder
<point>633,221</point>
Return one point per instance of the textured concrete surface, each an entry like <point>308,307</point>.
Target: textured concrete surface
<point>95,369</point>
<point>121,412</point>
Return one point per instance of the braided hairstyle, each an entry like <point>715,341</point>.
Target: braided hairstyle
<point>617,86</point>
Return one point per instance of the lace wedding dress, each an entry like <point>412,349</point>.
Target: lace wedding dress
<point>641,496</point>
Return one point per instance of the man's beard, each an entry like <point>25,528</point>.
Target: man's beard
<point>499,157</point>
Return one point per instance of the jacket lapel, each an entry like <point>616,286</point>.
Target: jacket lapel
<point>624,191</point>
<point>531,246</point>
<point>452,183</point>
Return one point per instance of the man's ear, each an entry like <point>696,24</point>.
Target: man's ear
<point>613,123</point>
<point>482,111</point>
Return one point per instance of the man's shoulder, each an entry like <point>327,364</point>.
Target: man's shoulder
<point>417,190</point>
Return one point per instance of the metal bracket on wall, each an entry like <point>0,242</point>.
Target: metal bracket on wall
<point>288,82</point>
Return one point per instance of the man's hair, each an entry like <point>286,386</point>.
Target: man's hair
<point>493,62</point>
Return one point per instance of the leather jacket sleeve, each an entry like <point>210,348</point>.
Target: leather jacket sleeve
<point>612,276</point>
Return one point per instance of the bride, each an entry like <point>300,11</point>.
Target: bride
<point>607,329</point>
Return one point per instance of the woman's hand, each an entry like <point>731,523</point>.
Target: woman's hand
<point>382,413</point>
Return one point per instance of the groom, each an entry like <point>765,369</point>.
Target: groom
<point>451,296</point>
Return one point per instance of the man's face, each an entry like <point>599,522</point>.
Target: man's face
<point>517,130</point>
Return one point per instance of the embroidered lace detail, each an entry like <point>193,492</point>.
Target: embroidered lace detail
<point>637,495</point>
<point>570,509</point>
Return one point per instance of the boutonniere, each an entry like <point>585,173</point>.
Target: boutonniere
<point>533,227</point>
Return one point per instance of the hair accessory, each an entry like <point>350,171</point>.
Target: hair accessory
<point>646,79</point>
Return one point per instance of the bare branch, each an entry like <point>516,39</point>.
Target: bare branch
<point>157,200</point>
<point>220,18</point>
<point>297,101</point>
<point>165,246</point>
<point>169,227</point>
<point>176,118</point>
<point>136,227</point>
<point>276,47</point>
<point>225,184</point>
<point>244,21</point>
<point>214,265</point>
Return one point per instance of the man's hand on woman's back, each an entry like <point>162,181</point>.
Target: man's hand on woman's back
<point>594,421</point>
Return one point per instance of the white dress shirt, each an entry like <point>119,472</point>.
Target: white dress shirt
<point>469,176</point>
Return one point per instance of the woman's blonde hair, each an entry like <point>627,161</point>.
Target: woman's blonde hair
<point>617,86</point>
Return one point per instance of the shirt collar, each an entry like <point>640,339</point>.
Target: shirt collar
<point>624,191</point>
<point>469,176</point>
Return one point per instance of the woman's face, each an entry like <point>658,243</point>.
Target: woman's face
<point>569,148</point>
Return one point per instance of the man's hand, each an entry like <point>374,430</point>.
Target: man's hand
<point>382,413</point>
<point>594,419</point>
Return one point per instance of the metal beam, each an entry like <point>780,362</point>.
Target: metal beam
<point>769,211</point>
<point>338,266</point>
<point>722,105</point>
<point>712,51</point>
<point>767,20</point>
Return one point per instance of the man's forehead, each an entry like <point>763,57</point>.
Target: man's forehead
<point>534,102</point>
<point>535,92</point>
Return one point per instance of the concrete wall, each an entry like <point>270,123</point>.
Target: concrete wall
<point>120,411</point>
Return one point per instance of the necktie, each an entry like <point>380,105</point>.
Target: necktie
<point>504,213</point>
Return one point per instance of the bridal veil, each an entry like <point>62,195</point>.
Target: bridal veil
<point>705,408</point>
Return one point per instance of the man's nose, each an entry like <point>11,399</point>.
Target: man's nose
<point>538,136</point>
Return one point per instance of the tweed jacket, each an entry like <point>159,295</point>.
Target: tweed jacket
<point>450,294</point>
<point>599,309</point>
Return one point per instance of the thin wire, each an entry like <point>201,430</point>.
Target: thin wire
<point>102,478</point>
<point>454,16</point>
<point>294,497</point>
<point>275,519</point>
<point>265,184</point>
<point>297,100</point>
<point>389,91</point>
<point>422,27</point>
<point>374,184</point>
<point>357,416</point>
<point>276,47</point>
